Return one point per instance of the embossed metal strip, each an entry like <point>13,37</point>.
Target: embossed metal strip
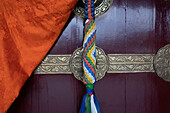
<point>117,63</point>
<point>54,64</point>
<point>130,63</point>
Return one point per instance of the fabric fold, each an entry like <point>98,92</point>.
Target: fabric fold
<point>28,29</point>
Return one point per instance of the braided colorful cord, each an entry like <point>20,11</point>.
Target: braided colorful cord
<point>89,103</point>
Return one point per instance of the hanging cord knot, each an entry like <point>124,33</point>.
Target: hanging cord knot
<point>89,103</point>
<point>89,88</point>
<point>89,9</point>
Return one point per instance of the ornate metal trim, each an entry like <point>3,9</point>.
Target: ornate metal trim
<point>130,63</point>
<point>162,63</point>
<point>112,63</point>
<point>101,6</point>
<point>76,63</point>
<point>54,64</point>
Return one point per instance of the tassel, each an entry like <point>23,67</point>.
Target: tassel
<point>89,103</point>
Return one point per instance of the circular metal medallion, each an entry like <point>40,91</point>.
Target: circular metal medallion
<point>101,6</point>
<point>76,63</point>
<point>162,62</point>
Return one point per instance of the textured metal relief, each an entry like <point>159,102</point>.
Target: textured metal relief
<point>162,63</point>
<point>111,63</point>
<point>101,6</point>
<point>54,64</point>
<point>76,63</point>
<point>130,63</point>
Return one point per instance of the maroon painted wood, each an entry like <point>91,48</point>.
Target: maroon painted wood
<point>129,26</point>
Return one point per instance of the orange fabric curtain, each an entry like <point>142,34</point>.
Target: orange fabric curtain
<point>28,29</point>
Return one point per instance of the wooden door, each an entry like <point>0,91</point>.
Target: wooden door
<point>128,27</point>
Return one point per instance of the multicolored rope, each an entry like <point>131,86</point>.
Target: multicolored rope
<point>89,103</point>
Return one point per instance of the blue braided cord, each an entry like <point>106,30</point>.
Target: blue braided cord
<point>91,36</point>
<point>92,9</point>
<point>88,38</point>
<point>86,8</point>
<point>91,76</point>
<point>94,54</point>
<point>91,73</point>
<point>92,14</point>
<point>89,91</point>
<point>85,12</point>
<point>88,69</point>
<point>92,5</point>
<point>86,17</point>
<point>97,104</point>
<point>82,109</point>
